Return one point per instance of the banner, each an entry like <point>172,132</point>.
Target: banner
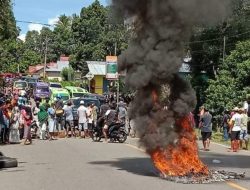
<point>111,68</point>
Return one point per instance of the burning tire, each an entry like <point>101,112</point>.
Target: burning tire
<point>6,162</point>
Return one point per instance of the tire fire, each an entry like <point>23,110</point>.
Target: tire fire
<point>182,158</point>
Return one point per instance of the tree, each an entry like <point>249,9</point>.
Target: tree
<point>232,84</point>
<point>8,29</point>
<point>96,35</point>
<point>68,74</point>
<point>207,46</point>
<point>63,36</point>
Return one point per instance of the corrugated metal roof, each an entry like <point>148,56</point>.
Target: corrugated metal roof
<point>97,67</point>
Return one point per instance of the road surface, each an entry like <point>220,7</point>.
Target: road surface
<point>72,164</point>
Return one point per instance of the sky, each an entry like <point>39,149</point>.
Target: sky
<point>45,11</point>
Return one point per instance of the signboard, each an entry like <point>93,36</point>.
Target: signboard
<point>89,76</point>
<point>111,68</point>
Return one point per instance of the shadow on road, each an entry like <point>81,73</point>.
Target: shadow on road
<point>138,166</point>
<point>227,161</point>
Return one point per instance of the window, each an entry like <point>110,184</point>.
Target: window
<point>42,89</point>
<point>20,85</point>
<point>56,85</point>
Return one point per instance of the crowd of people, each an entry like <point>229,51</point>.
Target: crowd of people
<point>21,119</point>
<point>235,124</point>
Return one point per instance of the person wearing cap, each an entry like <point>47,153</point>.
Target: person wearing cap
<point>244,132</point>
<point>235,130</point>
<point>82,119</point>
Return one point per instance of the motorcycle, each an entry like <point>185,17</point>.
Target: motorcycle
<point>116,133</point>
<point>34,128</point>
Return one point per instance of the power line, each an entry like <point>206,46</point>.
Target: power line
<point>30,22</point>
<point>218,39</point>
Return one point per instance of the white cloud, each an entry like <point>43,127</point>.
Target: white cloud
<point>53,21</point>
<point>36,27</point>
<point>22,37</point>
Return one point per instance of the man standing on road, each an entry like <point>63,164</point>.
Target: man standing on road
<point>90,119</point>
<point>122,112</point>
<point>206,129</point>
<point>236,128</point>
<point>69,124</point>
<point>82,119</point>
<point>104,108</point>
<point>59,112</point>
<point>225,125</point>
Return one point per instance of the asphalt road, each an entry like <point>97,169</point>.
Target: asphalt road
<point>72,164</point>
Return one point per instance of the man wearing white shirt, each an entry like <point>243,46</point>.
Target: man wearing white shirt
<point>235,134</point>
<point>82,119</point>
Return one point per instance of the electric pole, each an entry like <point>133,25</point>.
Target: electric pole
<point>45,57</point>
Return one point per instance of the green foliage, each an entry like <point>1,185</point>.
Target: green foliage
<point>89,36</point>
<point>68,83</point>
<point>206,49</point>
<point>8,29</point>
<point>231,86</point>
<point>68,74</point>
<point>96,36</point>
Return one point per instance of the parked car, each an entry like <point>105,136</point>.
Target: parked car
<point>76,92</point>
<point>41,91</point>
<point>20,85</point>
<point>76,105</point>
<point>101,98</point>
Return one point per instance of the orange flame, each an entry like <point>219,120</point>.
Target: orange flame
<point>180,159</point>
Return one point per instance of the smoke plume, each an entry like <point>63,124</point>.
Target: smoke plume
<point>154,58</point>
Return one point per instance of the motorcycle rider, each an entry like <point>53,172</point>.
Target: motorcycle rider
<point>110,118</point>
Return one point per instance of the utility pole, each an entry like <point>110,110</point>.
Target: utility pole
<point>115,48</point>
<point>224,49</point>
<point>118,84</point>
<point>45,57</point>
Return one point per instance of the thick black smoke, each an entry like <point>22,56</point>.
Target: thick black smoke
<point>154,58</point>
